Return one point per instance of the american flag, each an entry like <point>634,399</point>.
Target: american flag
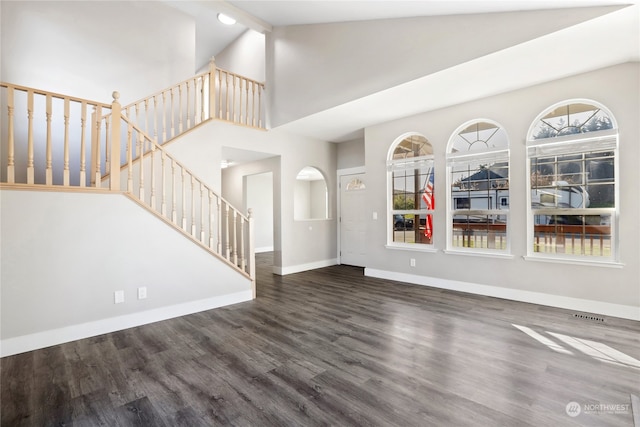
<point>429,200</point>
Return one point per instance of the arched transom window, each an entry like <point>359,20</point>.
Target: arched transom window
<point>571,119</point>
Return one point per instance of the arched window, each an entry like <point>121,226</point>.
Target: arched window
<point>355,184</point>
<point>478,178</point>
<point>411,198</point>
<point>572,153</point>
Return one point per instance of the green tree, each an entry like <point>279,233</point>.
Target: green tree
<point>402,202</point>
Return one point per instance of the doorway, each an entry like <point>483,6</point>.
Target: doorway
<point>353,221</point>
<point>259,197</point>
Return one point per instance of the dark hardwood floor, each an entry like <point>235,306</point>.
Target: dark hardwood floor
<point>331,347</point>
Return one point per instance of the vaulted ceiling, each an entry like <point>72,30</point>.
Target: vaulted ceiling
<point>614,36</point>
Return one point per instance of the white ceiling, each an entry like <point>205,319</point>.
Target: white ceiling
<point>212,36</point>
<point>502,71</point>
<point>298,12</point>
<point>615,38</point>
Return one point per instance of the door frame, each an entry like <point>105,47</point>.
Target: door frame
<point>340,173</point>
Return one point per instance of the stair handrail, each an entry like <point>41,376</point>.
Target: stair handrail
<point>54,94</point>
<point>101,141</point>
<point>232,228</point>
<point>172,111</point>
<point>160,148</point>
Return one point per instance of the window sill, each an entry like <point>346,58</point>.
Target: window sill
<point>583,262</point>
<point>479,254</point>
<point>414,247</point>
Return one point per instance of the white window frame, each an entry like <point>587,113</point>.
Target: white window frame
<point>574,144</point>
<point>488,155</point>
<point>407,164</point>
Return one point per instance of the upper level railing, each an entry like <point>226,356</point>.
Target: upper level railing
<point>47,137</point>
<point>50,140</point>
<point>172,111</point>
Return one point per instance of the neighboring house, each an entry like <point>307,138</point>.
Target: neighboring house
<point>338,97</point>
<point>485,179</point>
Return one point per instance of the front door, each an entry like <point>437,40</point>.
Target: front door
<point>353,223</point>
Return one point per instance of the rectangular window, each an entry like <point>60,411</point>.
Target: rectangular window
<point>480,203</point>
<point>573,199</point>
<point>480,231</point>
<point>411,228</point>
<point>462,202</point>
<point>584,235</point>
<point>413,199</point>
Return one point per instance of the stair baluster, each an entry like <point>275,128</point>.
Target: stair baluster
<point>47,146</point>
<point>30,165</point>
<point>83,144</point>
<point>49,161</point>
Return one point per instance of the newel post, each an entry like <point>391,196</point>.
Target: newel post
<point>114,167</point>
<point>252,254</point>
<point>212,87</point>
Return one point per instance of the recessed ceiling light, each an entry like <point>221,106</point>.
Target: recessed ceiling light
<point>226,19</point>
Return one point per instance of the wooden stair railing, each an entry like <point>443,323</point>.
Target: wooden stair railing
<point>52,141</point>
<point>178,109</point>
<point>49,138</point>
<point>162,184</point>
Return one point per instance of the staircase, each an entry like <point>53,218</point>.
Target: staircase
<point>57,142</point>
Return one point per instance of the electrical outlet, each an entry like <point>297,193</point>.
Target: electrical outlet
<point>118,297</point>
<point>413,262</point>
<point>142,292</point>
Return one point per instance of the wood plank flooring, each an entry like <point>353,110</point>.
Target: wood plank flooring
<point>332,347</point>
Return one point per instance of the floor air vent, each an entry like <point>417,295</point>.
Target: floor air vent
<point>588,317</point>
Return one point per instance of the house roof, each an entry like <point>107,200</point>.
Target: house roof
<point>483,175</point>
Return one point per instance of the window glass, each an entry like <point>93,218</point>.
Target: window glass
<point>479,136</point>
<point>412,191</point>
<point>478,169</point>
<point>572,183</point>
<point>571,119</point>
<point>411,147</point>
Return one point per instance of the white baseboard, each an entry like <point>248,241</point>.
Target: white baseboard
<point>264,249</point>
<point>283,271</point>
<point>570,303</point>
<point>44,339</point>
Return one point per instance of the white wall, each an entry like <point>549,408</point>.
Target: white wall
<point>258,190</point>
<point>245,56</point>
<point>201,150</point>
<point>64,254</point>
<point>311,68</point>
<point>351,154</point>
<point>615,87</point>
<point>91,48</point>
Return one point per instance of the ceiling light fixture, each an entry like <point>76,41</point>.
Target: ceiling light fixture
<point>226,19</point>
